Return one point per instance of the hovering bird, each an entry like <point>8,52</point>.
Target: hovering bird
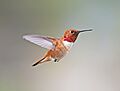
<point>57,47</point>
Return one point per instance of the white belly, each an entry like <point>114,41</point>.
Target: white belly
<point>68,44</point>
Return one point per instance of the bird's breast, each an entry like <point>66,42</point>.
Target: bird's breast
<point>61,49</point>
<point>68,44</point>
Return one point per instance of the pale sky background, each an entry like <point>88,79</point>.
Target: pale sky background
<point>93,63</point>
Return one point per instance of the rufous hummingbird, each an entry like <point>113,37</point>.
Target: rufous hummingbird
<point>57,47</point>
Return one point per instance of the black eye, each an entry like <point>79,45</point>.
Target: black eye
<point>72,31</point>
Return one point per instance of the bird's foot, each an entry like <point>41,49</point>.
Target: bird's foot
<point>55,60</point>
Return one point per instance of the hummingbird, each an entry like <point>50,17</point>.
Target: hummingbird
<point>57,47</point>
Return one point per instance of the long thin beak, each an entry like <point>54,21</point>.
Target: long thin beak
<point>85,30</point>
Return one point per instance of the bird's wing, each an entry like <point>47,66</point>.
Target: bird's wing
<point>45,42</point>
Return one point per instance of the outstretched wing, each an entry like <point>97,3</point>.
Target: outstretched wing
<point>42,41</point>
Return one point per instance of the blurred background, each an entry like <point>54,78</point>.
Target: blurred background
<point>93,63</point>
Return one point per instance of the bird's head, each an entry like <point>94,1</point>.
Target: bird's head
<point>71,35</point>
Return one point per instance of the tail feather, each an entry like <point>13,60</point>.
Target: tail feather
<point>38,62</point>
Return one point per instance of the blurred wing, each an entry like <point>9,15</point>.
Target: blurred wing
<point>42,41</point>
